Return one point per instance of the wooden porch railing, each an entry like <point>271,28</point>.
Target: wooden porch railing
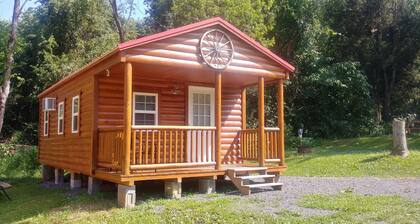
<point>249,144</point>
<point>172,146</point>
<point>110,148</point>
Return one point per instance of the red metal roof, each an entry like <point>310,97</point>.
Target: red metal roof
<point>203,24</point>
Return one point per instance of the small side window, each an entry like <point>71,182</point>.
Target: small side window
<point>46,121</point>
<point>75,106</point>
<point>60,116</point>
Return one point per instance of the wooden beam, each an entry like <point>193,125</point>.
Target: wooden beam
<point>280,122</point>
<point>243,108</point>
<point>189,64</point>
<point>95,123</point>
<point>218,108</point>
<point>261,119</point>
<point>128,93</point>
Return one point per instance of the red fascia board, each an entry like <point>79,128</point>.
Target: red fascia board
<point>204,24</point>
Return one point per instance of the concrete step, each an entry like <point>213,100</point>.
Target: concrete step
<point>252,177</point>
<point>234,172</point>
<point>263,185</point>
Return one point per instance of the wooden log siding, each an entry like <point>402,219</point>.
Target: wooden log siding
<point>70,151</point>
<point>153,145</point>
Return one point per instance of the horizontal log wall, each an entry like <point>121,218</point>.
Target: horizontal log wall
<point>172,108</point>
<point>70,151</point>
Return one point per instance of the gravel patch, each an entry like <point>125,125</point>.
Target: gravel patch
<point>295,188</point>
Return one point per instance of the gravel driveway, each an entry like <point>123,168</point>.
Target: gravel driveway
<point>296,187</point>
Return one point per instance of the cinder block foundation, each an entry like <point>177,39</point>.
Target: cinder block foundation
<point>206,185</point>
<point>75,181</point>
<point>126,196</point>
<point>173,188</point>
<point>93,185</point>
<point>47,173</point>
<point>58,176</point>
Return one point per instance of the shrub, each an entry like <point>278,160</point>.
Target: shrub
<point>18,159</point>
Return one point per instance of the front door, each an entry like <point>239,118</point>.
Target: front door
<point>200,113</point>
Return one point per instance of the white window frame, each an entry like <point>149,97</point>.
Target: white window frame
<point>203,90</point>
<point>145,111</point>
<point>46,123</point>
<point>73,114</point>
<point>60,118</point>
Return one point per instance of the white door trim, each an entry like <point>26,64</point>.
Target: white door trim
<point>194,138</point>
<point>204,90</point>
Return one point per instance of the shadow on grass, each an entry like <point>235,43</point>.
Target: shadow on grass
<point>373,159</point>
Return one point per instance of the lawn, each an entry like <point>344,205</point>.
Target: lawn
<point>33,203</point>
<point>367,156</point>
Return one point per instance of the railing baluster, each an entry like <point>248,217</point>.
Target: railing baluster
<point>158,153</point>
<point>202,146</point>
<point>196,146</point>
<point>153,147</point>
<point>140,147</point>
<point>182,155</point>
<point>147,148</point>
<point>133,147</point>
<point>176,146</point>
<point>170,146</point>
<point>164,146</point>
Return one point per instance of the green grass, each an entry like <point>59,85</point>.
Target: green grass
<point>352,208</point>
<point>348,157</point>
<point>367,156</point>
<point>34,204</point>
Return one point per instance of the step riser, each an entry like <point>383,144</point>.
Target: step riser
<point>248,182</point>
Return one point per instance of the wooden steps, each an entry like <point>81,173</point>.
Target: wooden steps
<point>243,178</point>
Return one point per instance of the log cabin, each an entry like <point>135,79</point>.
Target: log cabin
<point>167,106</point>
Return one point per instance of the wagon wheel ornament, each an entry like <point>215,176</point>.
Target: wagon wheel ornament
<point>216,49</point>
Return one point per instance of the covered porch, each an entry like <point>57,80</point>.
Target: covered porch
<point>129,152</point>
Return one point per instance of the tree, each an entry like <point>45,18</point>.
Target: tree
<point>121,23</point>
<point>384,36</point>
<point>7,74</point>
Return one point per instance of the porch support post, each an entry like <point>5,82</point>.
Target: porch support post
<point>261,128</point>
<point>128,93</point>
<point>243,108</point>
<point>218,119</point>
<point>280,121</point>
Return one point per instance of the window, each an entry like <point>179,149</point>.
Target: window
<point>60,116</point>
<point>145,109</point>
<point>75,114</point>
<point>201,106</point>
<point>46,121</point>
<point>49,104</point>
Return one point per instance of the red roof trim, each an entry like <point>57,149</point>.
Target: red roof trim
<point>203,24</point>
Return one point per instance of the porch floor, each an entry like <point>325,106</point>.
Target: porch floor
<point>179,173</point>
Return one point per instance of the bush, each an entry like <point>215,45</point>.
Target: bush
<point>18,159</point>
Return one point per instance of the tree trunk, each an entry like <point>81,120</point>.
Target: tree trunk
<point>5,82</point>
<point>117,20</point>
<point>400,141</point>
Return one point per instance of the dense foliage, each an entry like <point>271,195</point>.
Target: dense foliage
<point>358,61</point>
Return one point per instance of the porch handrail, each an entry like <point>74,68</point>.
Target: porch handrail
<point>173,127</point>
